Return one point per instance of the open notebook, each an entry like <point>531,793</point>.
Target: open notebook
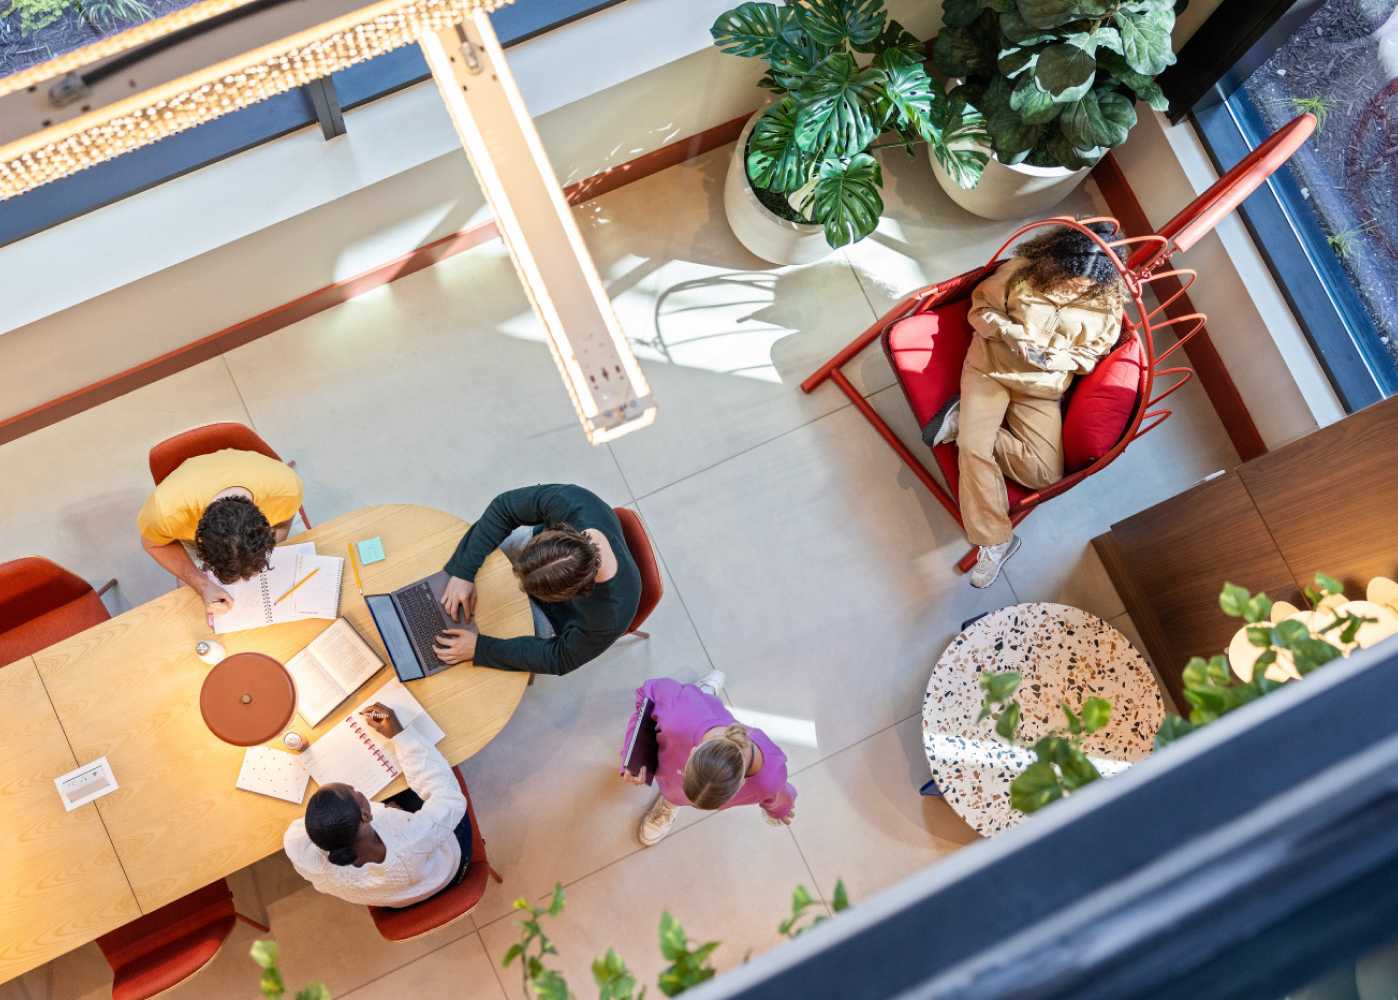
<point>329,670</point>
<point>255,600</point>
<point>352,753</point>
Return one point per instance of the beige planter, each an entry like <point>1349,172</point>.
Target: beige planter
<point>766,235</point>
<point>1014,192</point>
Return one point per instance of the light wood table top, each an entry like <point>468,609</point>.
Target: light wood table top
<point>129,689</point>
<point>63,885</point>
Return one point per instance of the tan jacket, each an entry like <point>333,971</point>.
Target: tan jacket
<point>1034,342</point>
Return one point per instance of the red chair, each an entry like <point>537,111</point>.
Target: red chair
<point>166,947</point>
<point>638,544</point>
<point>400,924</point>
<point>926,335</point>
<point>41,603</point>
<point>171,453</point>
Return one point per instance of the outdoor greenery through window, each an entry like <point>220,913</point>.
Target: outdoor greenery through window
<point>1342,65</point>
<point>32,31</point>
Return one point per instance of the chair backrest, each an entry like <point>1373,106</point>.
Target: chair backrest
<point>638,544</point>
<point>399,924</point>
<point>33,586</point>
<point>161,928</point>
<point>169,454</point>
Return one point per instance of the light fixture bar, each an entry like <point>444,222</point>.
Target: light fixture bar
<point>603,377</point>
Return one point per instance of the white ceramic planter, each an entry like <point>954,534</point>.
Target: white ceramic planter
<point>766,235</point>
<point>1015,192</point>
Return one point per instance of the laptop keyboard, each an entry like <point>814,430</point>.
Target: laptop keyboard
<point>422,616</point>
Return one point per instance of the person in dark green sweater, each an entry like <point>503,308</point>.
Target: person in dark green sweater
<point>571,559</point>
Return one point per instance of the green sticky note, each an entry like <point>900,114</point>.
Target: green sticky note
<point>371,550</point>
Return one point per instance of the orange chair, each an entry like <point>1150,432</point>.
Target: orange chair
<point>400,924</point>
<point>41,603</point>
<point>169,454</point>
<point>164,948</point>
<point>638,544</point>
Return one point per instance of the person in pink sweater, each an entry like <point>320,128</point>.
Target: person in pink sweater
<point>708,759</point>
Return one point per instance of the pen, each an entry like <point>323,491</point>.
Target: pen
<point>297,584</point>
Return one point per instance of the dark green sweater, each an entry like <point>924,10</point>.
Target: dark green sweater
<point>584,627</point>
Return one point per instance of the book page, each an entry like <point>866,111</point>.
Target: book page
<point>317,691</point>
<point>345,656</point>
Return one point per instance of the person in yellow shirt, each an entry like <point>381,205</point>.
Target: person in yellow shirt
<point>230,508</point>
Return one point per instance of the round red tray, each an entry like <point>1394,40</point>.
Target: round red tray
<point>247,699</point>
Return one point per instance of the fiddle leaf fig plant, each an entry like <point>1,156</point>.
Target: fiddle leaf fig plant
<point>1057,80</point>
<point>844,74</point>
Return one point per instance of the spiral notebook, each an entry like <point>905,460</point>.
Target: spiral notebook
<point>255,603</point>
<point>356,755</point>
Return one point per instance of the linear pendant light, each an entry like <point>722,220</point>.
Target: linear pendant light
<point>603,378</point>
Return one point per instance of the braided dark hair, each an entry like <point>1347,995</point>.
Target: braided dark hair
<point>1066,253</point>
<point>233,539</point>
<point>558,564</point>
<point>332,823</point>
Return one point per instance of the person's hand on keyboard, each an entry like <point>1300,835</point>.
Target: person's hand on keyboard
<point>455,645</point>
<point>460,595</point>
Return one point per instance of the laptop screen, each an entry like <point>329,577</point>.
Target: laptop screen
<point>395,637</point>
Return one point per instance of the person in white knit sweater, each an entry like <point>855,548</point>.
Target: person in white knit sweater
<point>392,853</point>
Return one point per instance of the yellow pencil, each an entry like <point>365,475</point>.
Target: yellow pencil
<point>297,584</point>
<point>354,565</point>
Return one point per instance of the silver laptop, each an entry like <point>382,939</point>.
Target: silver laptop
<point>408,621</point>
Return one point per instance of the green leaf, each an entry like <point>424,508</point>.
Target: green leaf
<point>614,980</point>
<point>1260,606</point>
<point>1001,687</point>
<point>1074,723</point>
<point>750,29</point>
<point>963,52</point>
<point>1308,654</point>
<point>1101,118</point>
<point>556,902</point>
<point>1171,729</point>
<point>264,953</point>
<point>1144,87</point>
<point>831,22</point>
<point>1066,71</point>
<point>1285,633</point>
<point>1195,672</point>
<point>1108,38</point>
<point>513,953</point>
<point>672,940</point>
<point>316,991</point>
<point>1218,671</point>
<point>959,13</point>
<point>895,36</point>
<point>1076,769</point>
<point>549,985</point>
<point>1014,28</point>
<point>1263,662</point>
<point>1260,635</point>
<point>1008,722</point>
<point>1015,60</point>
<point>800,899</point>
<point>1035,105</point>
<point>834,113</point>
<point>909,91</point>
<point>846,199</point>
<point>1011,135</point>
<point>1353,623</point>
<point>840,901</point>
<point>1233,600</point>
<point>775,161</point>
<point>963,149</point>
<point>792,57</point>
<point>1053,13</point>
<point>1035,787</point>
<point>1328,584</point>
<point>1145,39</point>
<point>1095,713</point>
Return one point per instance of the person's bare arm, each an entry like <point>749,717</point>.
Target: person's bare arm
<point>175,559</point>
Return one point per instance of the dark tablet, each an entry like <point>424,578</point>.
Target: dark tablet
<point>644,748</point>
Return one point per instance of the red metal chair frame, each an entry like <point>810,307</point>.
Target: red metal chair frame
<point>642,552</point>
<point>1147,255</point>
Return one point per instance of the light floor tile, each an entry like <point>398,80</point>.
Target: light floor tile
<point>724,338</point>
<point>727,878</point>
<point>859,816</point>
<point>437,389</point>
<point>71,491</point>
<point>460,970</point>
<point>820,575</point>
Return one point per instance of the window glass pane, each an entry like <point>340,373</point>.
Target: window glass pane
<point>1343,65</point>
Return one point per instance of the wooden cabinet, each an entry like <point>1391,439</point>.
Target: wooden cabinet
<point>1326,502</point>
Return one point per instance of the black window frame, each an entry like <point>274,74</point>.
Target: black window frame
<point>142,169</point>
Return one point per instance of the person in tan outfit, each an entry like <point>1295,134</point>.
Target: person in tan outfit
<point>1047,314</point>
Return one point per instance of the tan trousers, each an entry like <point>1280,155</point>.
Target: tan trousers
<point>1001,432</point>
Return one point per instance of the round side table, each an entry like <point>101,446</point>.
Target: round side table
<point>1063,654</point>
<point>247,699</point>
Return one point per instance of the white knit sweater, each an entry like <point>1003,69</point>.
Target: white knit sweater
<point>422,852</point>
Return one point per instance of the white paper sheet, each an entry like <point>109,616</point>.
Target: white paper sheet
<point>268,771</point>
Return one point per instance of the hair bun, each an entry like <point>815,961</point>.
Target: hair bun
<point>342,856</point>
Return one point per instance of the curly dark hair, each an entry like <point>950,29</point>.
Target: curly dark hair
<point>1065,253</point>
<point>233,539</point>
<point>558,564</point>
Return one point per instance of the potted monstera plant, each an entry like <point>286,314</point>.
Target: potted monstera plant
<point>848,82</point>
<point>1057,82</point>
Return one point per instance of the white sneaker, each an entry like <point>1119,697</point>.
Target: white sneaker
<point>657,822</point>
<point>712,682</point>
<point>951,423</point>
<point>989,561</point>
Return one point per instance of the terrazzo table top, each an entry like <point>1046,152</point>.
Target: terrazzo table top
<point>1064,654</point>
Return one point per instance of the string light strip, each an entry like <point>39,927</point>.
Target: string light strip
<point>227,86</point>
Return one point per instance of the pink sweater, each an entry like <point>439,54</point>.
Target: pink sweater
<point>683,714</point>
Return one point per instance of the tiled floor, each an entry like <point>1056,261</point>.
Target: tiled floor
<point>801,558</point>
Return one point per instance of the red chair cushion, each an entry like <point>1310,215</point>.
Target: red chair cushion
<point>638,544</point>
<point>926,352</point>
<point>52,627</point>
<point>399,924</point>
<point>1102,405</point>
<point>171,453</point>
<point>168,945</point>
<point>33,586</point>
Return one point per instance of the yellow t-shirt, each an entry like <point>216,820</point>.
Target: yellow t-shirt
<point>173,511</point>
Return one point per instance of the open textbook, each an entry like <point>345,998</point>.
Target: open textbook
<point>255,600</point>
<point>330,669</point>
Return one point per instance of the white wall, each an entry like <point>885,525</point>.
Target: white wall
<point>205,251</point>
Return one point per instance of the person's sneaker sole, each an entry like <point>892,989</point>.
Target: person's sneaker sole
<point>1015,543</point>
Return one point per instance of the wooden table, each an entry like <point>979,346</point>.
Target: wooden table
<point>129,689</point>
